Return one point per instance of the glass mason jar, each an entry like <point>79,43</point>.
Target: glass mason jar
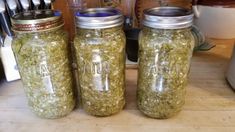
<point>40,47</point>
<point>165,49</point>
<point>100,53</point>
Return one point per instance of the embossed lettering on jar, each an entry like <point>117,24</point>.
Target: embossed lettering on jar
<point>41,50</point>
<point>165,49</point>
<point>100,53</point>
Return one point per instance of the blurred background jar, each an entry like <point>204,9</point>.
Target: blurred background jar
<point>69,8</point>
<point>165,50</point>
<point>41,50</point>
<point>100,53</point>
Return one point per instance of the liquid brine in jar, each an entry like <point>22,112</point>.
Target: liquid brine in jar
<point>100,53</point>
<point>41,49</point>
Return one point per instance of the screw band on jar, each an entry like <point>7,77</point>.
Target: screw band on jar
<point>37,21</point>
<point>168,18</point>
<point>99,18</point>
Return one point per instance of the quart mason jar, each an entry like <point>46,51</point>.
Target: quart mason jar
<point>40,46</point>
<point>165,49</point>
<point>100,53</point>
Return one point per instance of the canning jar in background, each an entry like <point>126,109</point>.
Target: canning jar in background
<point>41,49</point>
<point>100,52</point>
<point>165,49</point>
<point>110,3</point>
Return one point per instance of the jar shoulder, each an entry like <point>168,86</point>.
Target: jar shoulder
<point>42,36</point>
<point>156,38</point>
<point>31,42</point>
<point>100,39</point>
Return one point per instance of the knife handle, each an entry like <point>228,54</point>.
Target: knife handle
<point>5,22</point>
<point>1,37</point>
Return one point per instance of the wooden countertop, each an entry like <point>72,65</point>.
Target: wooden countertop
<point>210,104</point>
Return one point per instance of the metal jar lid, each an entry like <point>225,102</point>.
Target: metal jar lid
<point>168,18</point>
<point>99,18</point>
<point>37,21</point>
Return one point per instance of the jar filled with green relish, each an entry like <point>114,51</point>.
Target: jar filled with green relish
<point>165,50</point>
<point>40,47</point>
<point>100,53</point>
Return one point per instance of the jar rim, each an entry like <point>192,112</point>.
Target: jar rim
<point>99,18</point>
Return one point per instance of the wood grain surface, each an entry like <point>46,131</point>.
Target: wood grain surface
<point>210,104</point>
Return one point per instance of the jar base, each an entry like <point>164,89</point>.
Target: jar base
<point>99,113</point>
<point>160,115</point>
<point>55,116</point>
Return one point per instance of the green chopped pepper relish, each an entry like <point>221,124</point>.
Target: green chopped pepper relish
<point>100,53</point>
<point>40,47</point>
<point>165,49</point>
